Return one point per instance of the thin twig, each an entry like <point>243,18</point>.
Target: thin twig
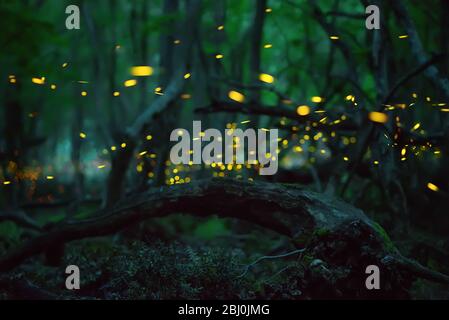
<point>270,257</point>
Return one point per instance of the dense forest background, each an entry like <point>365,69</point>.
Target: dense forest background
<point>363,116</point>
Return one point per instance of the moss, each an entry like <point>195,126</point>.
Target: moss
<point>433,264</point>
<point>388,244</point>
<point>306,238</point>
<point>10,232</point>
<point>307,258</point>
<point>303,239</point>
<point>321,232</point>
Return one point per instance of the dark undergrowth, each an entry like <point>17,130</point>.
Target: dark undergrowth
<point>176,264</point>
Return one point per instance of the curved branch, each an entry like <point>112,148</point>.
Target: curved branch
<point>288,254</point>
<point>284,208</point>
<point>20,218</point>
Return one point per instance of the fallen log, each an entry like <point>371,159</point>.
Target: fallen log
<point>329,229</point>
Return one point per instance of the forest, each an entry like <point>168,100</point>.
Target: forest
<point>94,96</point>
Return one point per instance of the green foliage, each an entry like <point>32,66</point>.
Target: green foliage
<point>10,234</point>
<point>211,229</point>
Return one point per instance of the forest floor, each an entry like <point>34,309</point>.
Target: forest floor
<point>180,257</point>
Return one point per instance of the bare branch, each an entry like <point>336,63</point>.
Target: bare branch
<point>21,218</point>
<point>417,48</point>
